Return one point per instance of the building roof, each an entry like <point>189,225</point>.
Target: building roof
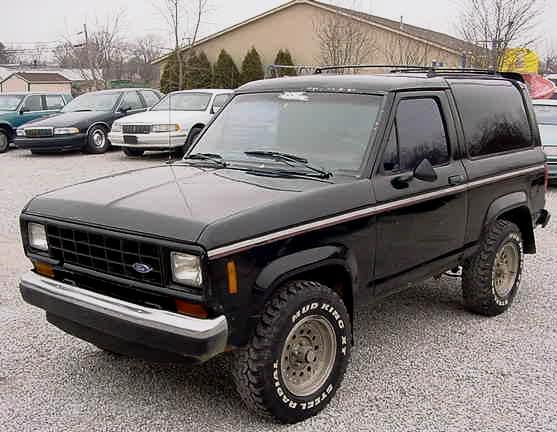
<point>40,77</point>
<point>437,39</point>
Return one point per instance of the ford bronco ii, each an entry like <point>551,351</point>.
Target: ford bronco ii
<point>301,194</point>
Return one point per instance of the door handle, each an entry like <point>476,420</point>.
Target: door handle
<point>456,180</point>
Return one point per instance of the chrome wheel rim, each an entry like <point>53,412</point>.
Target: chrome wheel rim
<point>99,139</point>
<point>308,355</point>
<point>505,269</point>
<point>3,141</point>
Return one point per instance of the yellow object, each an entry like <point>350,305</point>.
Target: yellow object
<point>44,269</point>
<point>232,277</point>
<point>520,60</point>
<point>191,309</point>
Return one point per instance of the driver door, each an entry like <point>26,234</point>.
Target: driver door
<point>425,220</point>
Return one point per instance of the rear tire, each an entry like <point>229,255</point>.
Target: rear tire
<point>97,141</point>
<point>4,141</point>
<point>298,354</point>
<point>131,152</point>
<point>491,278</point>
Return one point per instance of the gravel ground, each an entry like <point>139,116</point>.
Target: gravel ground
<point>421,362</point>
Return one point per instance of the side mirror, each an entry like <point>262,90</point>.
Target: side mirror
<point>24,110</point>
<point>425,171</point>
<point>124,109</point>
<point>215,109</point>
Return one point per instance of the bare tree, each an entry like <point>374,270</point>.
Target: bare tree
<point>402,50</point>
<point>100,54</point>
<point>494,25</point>
<point>181,16</point>
<point>142,52</point>
<point>343,40</point>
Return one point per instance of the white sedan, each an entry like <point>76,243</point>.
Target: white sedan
<point>172,124</point>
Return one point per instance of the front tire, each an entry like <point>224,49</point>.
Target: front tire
<point>491,278</point>
<point>298,355</point>
<point>97,141</point>
<point>131,152</point>
<point>4,142</point>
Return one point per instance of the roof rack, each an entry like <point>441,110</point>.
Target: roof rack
<point>321,69</point>
<point>431,71</point>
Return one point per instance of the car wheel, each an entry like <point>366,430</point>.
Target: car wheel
<point>131,152</point>
<point>97,141</point>
<point>297,357</point>
<point>490,278</point>
<point>4,142</point>
<point>191,138</point>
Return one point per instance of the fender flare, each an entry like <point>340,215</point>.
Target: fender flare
<point>287,267</point>
<point>517,204</point>
<point>505,203</point>
<point>99,123</point>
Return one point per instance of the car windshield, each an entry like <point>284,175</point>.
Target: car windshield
<point>9,102</point>
<point>184,102</point>
<point>546,114</point>
<point>548,134</point>
<point>328,130</point>
<point>93,102</point>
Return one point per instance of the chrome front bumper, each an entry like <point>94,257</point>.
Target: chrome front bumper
<point>106,320</point>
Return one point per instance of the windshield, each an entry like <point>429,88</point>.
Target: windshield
<point>93,102</point>
<point>549,134</point>
<point>184,102</point>
<point>546,114</point>
<point>330,130</point>
<point>9,102</point>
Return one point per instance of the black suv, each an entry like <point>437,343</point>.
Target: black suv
<point>302,194</point>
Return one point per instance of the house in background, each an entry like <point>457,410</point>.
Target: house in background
<point>35,82</point>
<point>295,26</point>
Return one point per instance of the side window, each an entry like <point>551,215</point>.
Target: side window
<point>493,116</point>
<point>131,101</point>
<point>418,134</point>
<point>33,103</point>
<point>219,101</point>
<point>54,102</point>
<point>150,97</point>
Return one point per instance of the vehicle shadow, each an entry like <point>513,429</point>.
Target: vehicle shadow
<point>177,389</point>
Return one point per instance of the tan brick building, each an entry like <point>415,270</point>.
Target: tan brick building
<point>297,25</point>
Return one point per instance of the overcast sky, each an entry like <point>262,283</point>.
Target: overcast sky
<point>51,20</point>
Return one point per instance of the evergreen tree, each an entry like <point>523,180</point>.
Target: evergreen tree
<point>285,59</point>
<point>170,75</point>
<point>199,73</point>
<point>252,68</point>
<point>225,74</point>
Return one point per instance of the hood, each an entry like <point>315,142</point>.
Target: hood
<point>163,117</point>
<point>71,119</point>
<point>212,207</point>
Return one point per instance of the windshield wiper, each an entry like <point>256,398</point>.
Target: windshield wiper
<point>82,110</point>
<point>209,157</point>
<point>289,159</point>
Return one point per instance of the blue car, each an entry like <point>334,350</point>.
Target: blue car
<point>19,108</point>
<point>546,114</point>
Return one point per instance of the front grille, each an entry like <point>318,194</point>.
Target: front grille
<point>39,132</point>
<point>106,253</point>
<point>136,129</point>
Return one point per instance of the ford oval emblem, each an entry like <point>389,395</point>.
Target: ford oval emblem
<point>142,268</point>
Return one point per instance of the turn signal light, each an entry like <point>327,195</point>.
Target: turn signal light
<point>232,277</point>
<point>44,269</point>
<point>191,309</point>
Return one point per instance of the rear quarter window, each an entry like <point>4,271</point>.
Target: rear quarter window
<point>493,117</point>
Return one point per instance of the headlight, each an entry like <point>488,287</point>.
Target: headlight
<point>20,132</point>
<point>186,269</point>
<point>66,131</point>
<point>117,127</point>
<point>165,128</point>
<point>37,236</point>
